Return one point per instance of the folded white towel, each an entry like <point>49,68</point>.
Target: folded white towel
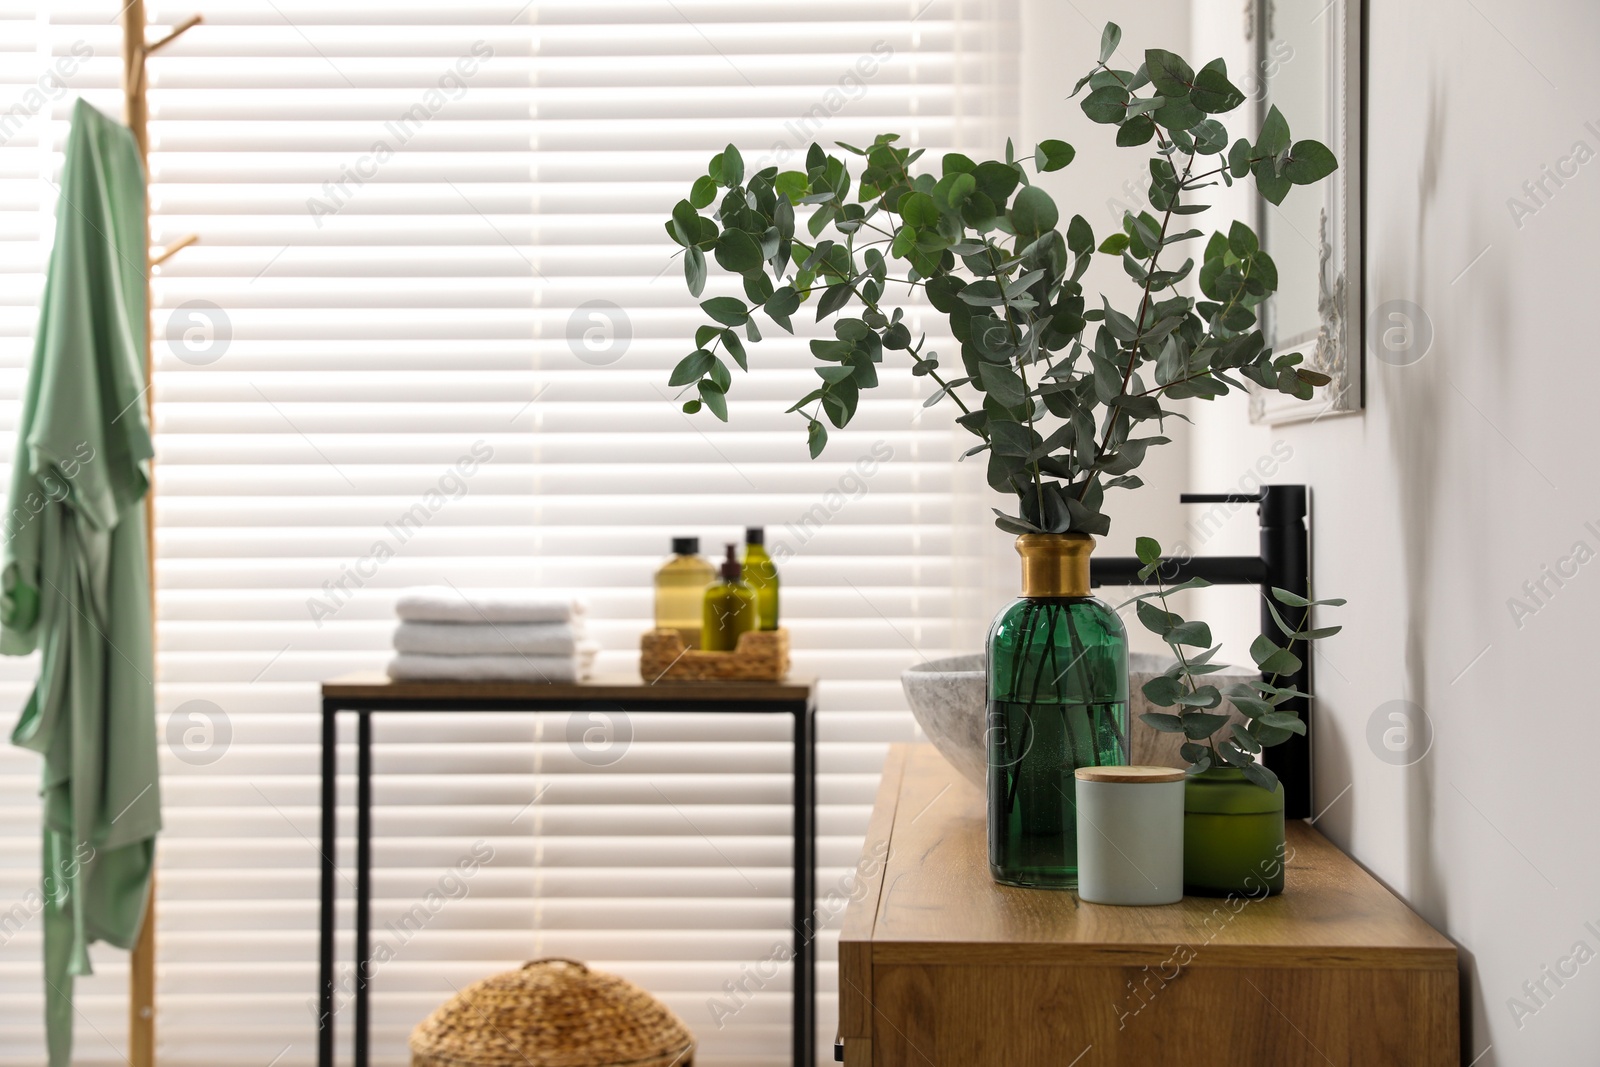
<point>421,666</point>
<point>495,639</point>
<point>440,603</point>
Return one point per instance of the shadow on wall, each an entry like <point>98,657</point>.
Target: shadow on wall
<point>1419,398</point>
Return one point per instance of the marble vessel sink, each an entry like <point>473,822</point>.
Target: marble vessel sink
<point>947,698</point>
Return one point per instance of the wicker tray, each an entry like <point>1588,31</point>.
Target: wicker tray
<point>552,1013</point>
<point>762,656</point>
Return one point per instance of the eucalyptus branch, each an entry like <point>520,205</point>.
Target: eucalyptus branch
<point>1139,331</point>
<point>953,227</point>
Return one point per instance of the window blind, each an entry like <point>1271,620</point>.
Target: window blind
<point>424,339</point>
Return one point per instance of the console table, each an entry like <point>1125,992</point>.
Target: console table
<point>939,965</point>
<point>367,694</point>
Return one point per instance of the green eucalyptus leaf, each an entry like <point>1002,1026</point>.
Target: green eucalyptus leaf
<point>1234,756</point>
<point>1274,135</point>
<point>1243,738</point>
<point>1262,777</point>
<point>691,367</point>
<point>1080,237</point>
<point>1199,725</point>
<point>1110,37</point>
<point>694,270</point>
<point>792,185</point>
<point>1285,720</point>
<point>816,437</point>
<point>1195,633</point>
<point>1033,211</point>
<point>1115,244</point>
<point>1309,161</point>
<point>1163,690</point>
<point>918,209</point>
<point>1213,93</point>
<point>732,166</point>
<point>1136,131</point>
<point>1205,696</point>
<point>1052,155</point>
<point>715,398</point>
<point>834,297</point>
<point>1242,240</point>
<point>1162,722</point>
<point>1168,72</point>
<point>1155,620</point>
<point>1107,104</point>
<point>704,191</point>
<point>728,310</point>
<point>1272,186</point>
<point>1239,158</point>
<point>737,251</point>
<point>1002,383</point>
<point>783,303</point>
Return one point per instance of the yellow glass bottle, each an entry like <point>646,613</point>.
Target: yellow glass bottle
<point>761,575</point>
<point>729,609</point>
<point>681,588</point>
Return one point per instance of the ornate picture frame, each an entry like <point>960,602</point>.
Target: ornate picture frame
<point>1306,50</point>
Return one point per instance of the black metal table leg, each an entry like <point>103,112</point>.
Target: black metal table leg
<point>330,845</point>
<point>810,838</point>
<point>363,883</point>
<point>805,885</point>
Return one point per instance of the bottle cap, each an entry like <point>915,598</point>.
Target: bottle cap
<point>755,535</point>
<point>686,546</point>
<point>732,571</point>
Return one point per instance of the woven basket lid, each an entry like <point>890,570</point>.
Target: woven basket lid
<point>552,1013</point>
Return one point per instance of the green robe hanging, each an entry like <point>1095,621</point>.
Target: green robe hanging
<point>74,582</point>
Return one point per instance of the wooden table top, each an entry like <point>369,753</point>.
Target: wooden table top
<point>932,899</point>
<point>379,687</point>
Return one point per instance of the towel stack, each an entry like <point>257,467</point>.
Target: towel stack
<point>509,636</point>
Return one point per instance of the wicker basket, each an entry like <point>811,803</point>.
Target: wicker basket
<point>552,1013</point>
<point>761,656</point>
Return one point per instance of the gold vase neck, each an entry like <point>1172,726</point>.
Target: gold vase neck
<point>1055,565</point>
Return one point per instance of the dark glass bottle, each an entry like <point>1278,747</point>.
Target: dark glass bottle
<point>728,610</point>
<point>761,575</point>
<point>1058,700</point>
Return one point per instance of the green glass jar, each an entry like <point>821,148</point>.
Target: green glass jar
<point>1232,836</point>
<point>1057,700</point>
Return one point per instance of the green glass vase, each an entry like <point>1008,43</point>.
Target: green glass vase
<point>1057,700</point>
<point>1233,841</point>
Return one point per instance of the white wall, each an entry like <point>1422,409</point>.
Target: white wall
<point>1469,472</point>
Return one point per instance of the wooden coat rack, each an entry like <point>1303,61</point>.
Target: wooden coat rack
<point>136,49</point>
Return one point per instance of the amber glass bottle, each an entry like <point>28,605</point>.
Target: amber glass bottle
<point>681,589</point>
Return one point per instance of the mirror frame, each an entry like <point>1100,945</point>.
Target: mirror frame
<point>1337,350</point>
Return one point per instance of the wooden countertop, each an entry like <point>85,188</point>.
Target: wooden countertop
<point>379,687</point>
<point>934,891</point>
<point>939,965</point>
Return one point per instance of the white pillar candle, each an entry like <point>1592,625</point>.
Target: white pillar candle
<point>1130,835</point>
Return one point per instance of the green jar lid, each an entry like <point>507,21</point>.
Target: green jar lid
<point>1226,791</point>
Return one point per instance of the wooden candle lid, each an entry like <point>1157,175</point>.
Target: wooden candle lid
<point>1139,775</point>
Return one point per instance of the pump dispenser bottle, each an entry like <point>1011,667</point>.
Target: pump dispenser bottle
<point>729,608</point>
